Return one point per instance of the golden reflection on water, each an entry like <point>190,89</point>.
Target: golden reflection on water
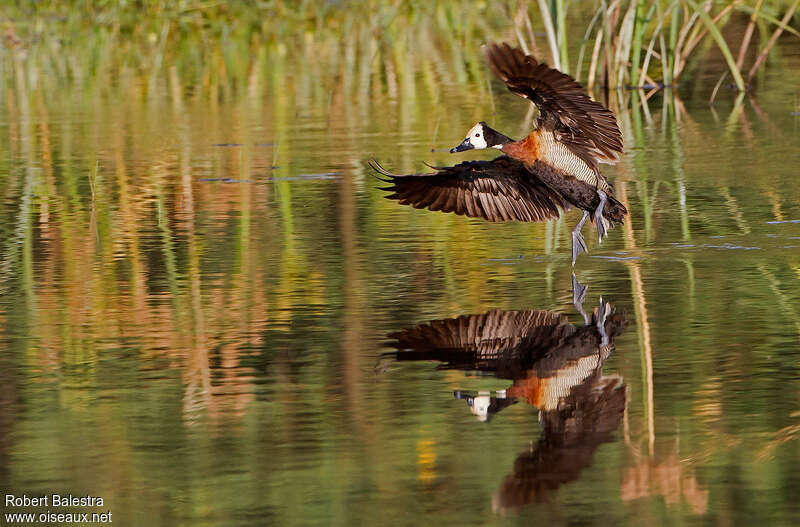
<point>159,288</point>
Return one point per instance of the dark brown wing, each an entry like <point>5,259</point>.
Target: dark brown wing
<point>492,335</point>
<point>512,344</point>
<point>498,190</point>
<point>585,126</point>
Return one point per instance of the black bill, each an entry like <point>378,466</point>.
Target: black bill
<point>465,145</point>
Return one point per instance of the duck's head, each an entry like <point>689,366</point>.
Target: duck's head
<point>484,405</point>
<point>481,136</point>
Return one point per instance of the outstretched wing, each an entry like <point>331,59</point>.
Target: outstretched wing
<point>502,189</point>
<point>493,335</point>
<point>585,126</point>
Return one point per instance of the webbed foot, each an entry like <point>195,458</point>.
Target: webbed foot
<point>578,244</point>
<point>578,295</point>
<point>603,310</point>
<point>598,216</point>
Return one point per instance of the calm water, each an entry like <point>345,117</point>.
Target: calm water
<point>210,315</point>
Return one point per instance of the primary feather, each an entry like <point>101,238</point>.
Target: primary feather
<point>502,189</point>
<point>585,126</point>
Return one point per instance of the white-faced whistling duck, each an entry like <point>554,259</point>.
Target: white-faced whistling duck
<point>542,352</point>
<point>554,167</point>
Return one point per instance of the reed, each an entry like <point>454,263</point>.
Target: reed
<point>646,43</point>
<point>221,47</point>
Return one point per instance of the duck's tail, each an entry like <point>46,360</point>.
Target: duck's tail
<point>614,211</point>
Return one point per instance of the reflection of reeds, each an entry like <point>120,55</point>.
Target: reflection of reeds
<point>412,68</point>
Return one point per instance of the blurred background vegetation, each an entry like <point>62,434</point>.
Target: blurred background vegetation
<point>222,46</point>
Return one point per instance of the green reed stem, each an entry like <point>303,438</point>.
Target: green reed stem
<point>713,30</point>
<point>549,28</point>
<point>669,66</point>
<point>640,23</point>
<point>561,27</point>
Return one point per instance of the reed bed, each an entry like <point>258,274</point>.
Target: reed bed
<point>647,44</point>
<point>379,46</point>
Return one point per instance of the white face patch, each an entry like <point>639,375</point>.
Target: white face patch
<point>476,138</point>
<point>480,407</point>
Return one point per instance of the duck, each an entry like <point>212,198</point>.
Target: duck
<point>553,365</point>
<point>553,169</point>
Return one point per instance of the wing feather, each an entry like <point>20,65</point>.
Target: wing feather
<point>502,189</point>
<point>585,126</point>
<point>490,335</point>
<point>488,207</point>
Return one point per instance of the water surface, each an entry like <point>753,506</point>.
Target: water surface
<point>202,293</point>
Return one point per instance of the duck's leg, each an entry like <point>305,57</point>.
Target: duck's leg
<point>578,245</point>
<point>598,216</point>
<point>602,313</point>
<point>578,294</point>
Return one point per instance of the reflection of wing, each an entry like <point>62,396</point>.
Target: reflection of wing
<point>586,127</point>
<point>512,344</point>
<point>498,190</point>
<point>572,433</point>
<point>473,339</point>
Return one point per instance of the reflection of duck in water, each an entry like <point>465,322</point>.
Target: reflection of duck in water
<point>572,429</point>
<point>554,365</point>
